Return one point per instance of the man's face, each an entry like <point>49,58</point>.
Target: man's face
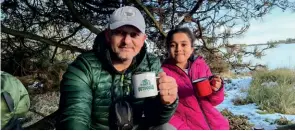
<point>126,42</point>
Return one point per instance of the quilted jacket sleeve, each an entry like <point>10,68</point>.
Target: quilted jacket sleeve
<point>155,112</point>
<point>76,96</point>
<point>178,123</point>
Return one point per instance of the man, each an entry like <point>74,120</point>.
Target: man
<point>101,77</point>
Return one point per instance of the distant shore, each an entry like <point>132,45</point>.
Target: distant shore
<point>266,44</point>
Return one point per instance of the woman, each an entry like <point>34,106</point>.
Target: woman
<point>193,112</point>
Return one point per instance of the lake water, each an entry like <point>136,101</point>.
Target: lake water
<point>283,56</point>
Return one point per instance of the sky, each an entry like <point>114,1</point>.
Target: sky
<point>277,25</point>
<point>234,90</point>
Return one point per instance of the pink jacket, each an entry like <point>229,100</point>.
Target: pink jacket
<point>195,113</point>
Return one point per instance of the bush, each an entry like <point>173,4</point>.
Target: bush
<point>279,75</point>
<point>216,62</point>
<point>283,121</point>
<point>274,91</point>
<point>241,101</point>
<point>237,122</point>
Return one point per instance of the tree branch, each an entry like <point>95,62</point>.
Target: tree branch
<point>151,17</point>
<point>39,38</point>
<point>71,35</point>
<point>201,35</point>
<point>97,10</point>
<point>212,50</point>
<point>213,7</point>
<point>76,15</point>
<point>197,6</point>
<point>63,39</point>
<point>173,12</point>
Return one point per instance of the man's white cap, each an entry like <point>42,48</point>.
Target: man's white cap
<point>127,15</point>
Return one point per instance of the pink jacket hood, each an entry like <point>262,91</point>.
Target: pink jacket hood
<point>195,113</point>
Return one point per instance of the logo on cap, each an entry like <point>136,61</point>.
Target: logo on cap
<point>129,13</point>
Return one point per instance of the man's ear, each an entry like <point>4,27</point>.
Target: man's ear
<point>144,37</point>
<point>107,34</point>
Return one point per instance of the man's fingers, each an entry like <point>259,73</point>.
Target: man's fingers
<point>173,91</point>
<point>161,74</point>
<point>167,86</point>
<point>166,79</point>
<point>168,92</point>
<point>168,99</point>
<point>163,92</point>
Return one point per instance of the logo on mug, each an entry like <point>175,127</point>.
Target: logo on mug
<point>145,85</point>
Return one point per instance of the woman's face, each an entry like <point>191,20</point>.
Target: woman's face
<point>180,48</point>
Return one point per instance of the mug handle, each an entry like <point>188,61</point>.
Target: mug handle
<point>157,78</point>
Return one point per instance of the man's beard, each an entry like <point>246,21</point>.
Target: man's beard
<point>121,59</point>
<point>115,57</point>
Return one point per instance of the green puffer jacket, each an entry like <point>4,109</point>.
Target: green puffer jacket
<point>87,85</point>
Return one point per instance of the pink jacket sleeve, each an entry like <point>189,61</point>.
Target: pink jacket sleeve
<point>178,123</point>
<point>216,97</point>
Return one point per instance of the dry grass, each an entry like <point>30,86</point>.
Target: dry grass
<point>278,97</point>
<point>241,101</point>
<point>237,122</point>
<point>283,121</point>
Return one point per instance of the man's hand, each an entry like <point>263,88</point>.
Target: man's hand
<point>168,88</point>
<point>216,82</point>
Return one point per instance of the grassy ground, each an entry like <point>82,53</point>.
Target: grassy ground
<point>41,105</point>
<point>274,91</point>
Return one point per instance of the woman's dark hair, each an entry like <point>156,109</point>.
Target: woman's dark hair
<point>185,30</point>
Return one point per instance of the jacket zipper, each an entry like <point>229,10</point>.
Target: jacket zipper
<point>122,88</point>
<point>190,78</point>
<point>125,93</point>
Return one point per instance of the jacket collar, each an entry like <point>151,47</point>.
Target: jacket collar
<point>170,64</point>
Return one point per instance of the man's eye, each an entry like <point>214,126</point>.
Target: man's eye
<point>134,34</point>
<point>118,32</point>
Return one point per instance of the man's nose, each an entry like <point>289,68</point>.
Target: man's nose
<point>127,38</point>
